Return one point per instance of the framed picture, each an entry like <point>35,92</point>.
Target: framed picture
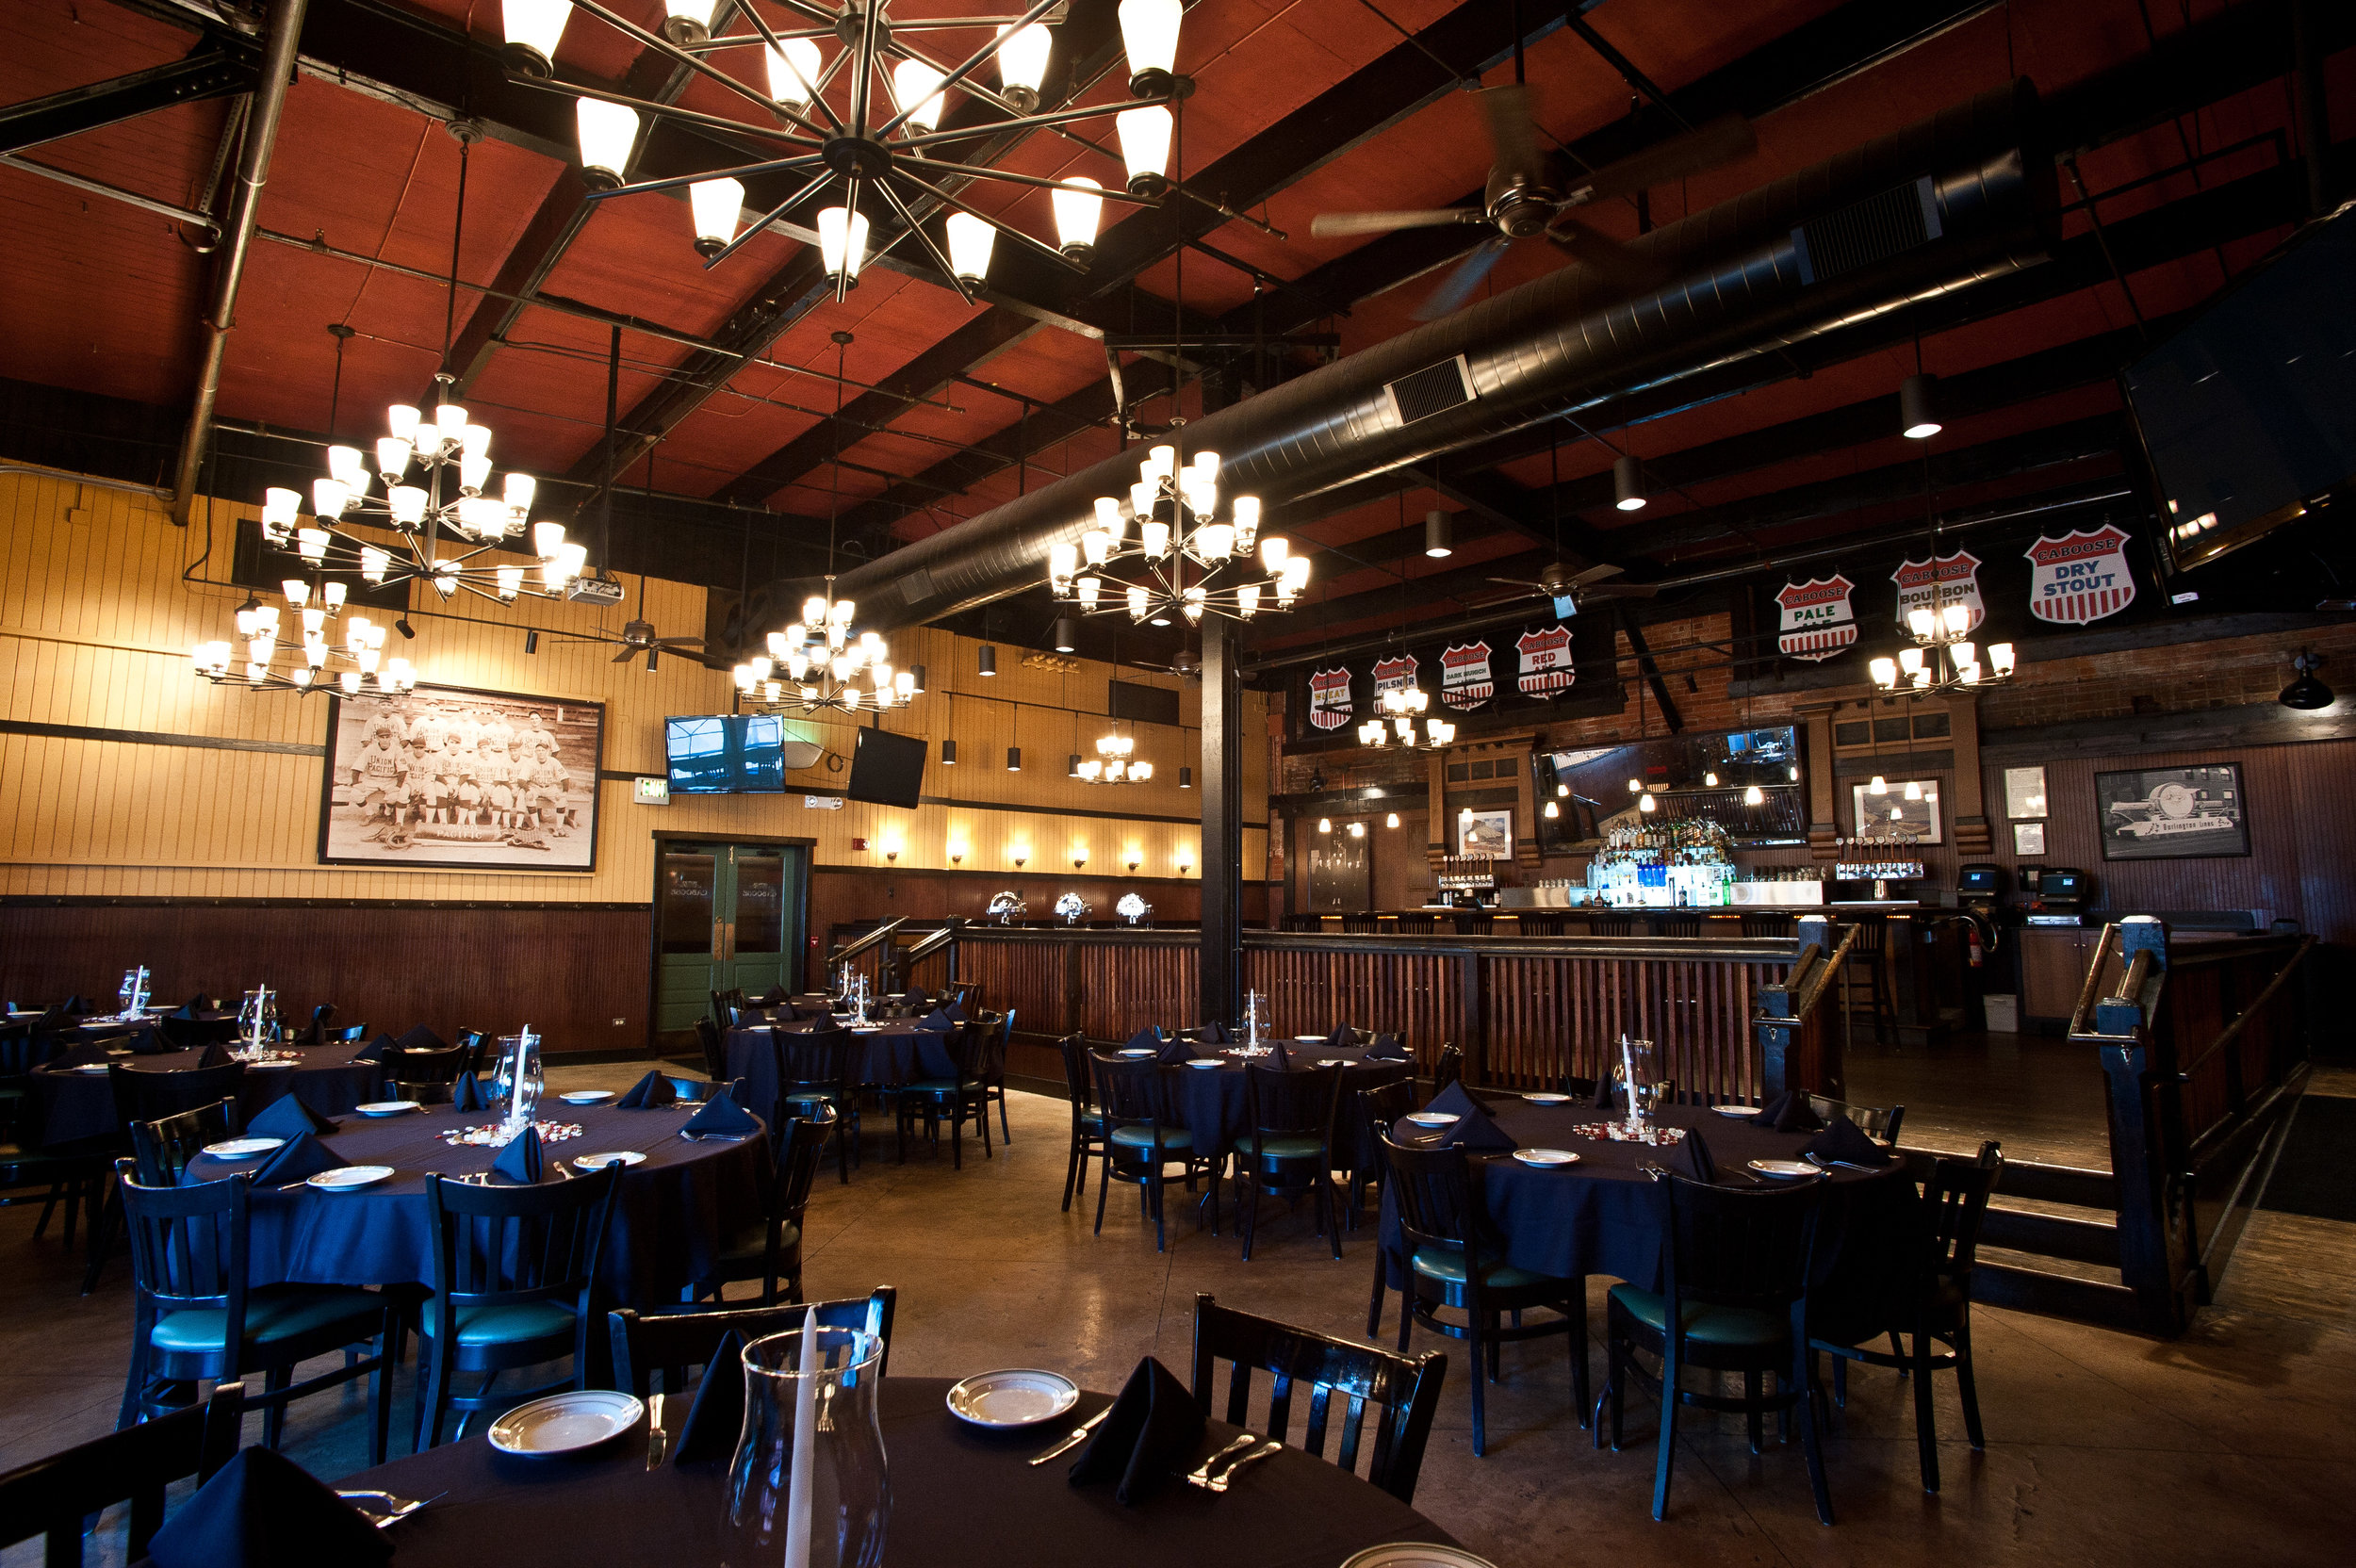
<point>1485,834</point>
<point>2025,794</point>
<point>2171,813</point>
<point>462,780</point>
<point>1891,815</point>
<point>2028,838</point>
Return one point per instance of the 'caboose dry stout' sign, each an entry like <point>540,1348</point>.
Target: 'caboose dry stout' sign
<point>2080,577</point>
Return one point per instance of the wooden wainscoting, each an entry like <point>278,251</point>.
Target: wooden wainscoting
<point>570,971</point>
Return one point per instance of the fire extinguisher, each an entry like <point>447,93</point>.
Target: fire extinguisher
<point>1972,935</point>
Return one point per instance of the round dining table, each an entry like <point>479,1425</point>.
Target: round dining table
<point>1602,1216</point>
<point>1214,1105</point>
<point>71,1100</point>
<point>673,1213</point>
<point>892,1051</point>
<point>958,1495</point>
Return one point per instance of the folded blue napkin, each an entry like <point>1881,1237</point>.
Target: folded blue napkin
<point>466,1094</point>
<point>724,1115</point>
<point>1153,1429</point>
<point>1343,1038</point>
<point>1458,1099</point>
<point>286,1117</point>
<point>650,1093</point>
<point>1476,1131</point>
<point>1843,1141</point>
<point>1792,1112</point>
<point>523,1159</point>
<point>1177,1051</point>
<point>936,1021</point>
<point>419,1037</point>
<point>1388,1047</point>
<point>377,1049</point>
<point>305,1156</point>
<point>717,1416</point>
<point>1698,1165</point>
<point>1148,1039</point>
<point>264,1510</point>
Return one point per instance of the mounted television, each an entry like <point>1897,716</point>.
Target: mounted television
<point>887,769</point>
<point>726,754</point>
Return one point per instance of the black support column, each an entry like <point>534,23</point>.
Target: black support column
<point>1222,825</point>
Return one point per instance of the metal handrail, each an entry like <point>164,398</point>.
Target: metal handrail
<point>857,945</point>
<point>2094,975</point>
<point>2233,1031</point>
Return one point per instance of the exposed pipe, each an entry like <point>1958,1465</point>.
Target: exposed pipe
<point>1744,282</point>
<point>261,138</point>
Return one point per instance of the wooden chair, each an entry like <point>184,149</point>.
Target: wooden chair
<point>424,1094</point>
<point>1404,1391</point>
<point>1864,976</point>
<point>1954,1199</point>
<point>965,995</point>
<point>1087,1128</point>
<point>771,1250</point>
<point>952,1099</point>
<point>1379,1110</point>
<point>161,1150</point>
<point>427,1067</point>
<point>193,1316</point>
<point>1871,1119</point>
<point>993,1073</point>
<point>514,1276</point>
<point>821,1068</point>
<point>1287,1144</point>
<point>148,1094</point>
<point>1144,1134</point>
<point>56,1497</point>
<point>30,1174</point>
<point>353,1035</point>
<point>702,1091</point>
<point>668,1342</point>
<point>1734,1270</point>
<point>1456,1261</point>
<point>195,1034</point>
<point>1449,1069</point>
<point>714,1045</point>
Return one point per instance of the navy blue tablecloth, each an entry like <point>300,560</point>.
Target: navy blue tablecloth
<point>69,1107</point>
<point>1602,1215</point>
<point>1213,1100</point>
<point>897,1051</point>
<point>672,1214</point>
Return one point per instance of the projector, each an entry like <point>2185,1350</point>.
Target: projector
<point>596,590</point>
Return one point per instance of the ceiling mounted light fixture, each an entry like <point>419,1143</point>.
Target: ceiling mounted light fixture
<point>1918,404</point>
<point>868,133</point>
<point>1395,725</point>
<point>1168,544</point>
<point>1627,482</point>
<point>1439,535</point>
<point>348,659</point>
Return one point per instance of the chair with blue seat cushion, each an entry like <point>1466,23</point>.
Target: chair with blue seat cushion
<point>514,1278</point>
<point>29,1173</point>
<point>1287,1144</point>
<point>993,1072</point>
<point>674,1339</point>
<point>820,1068</point>
<point>1145,1134</point>
<point>149,1094</point>
<point>1456,1261</point>
<point>771,1250</point>
<point>1087,1128</point>
<point>56,1496</point>
<point>195,1316</point>
<point>953,1099</point>
<point>161,1150</point>
<point>1734,1272</point>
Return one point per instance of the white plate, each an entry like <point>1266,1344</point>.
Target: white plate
<point>345,1177</point>
<point>617,1156</point>
<point>243,1149</point>
<point>1415,1554</point>
<point>586,1097</point>
<point>1737,1110</point>
<point>1547,1098</point>
<point>90,1068</point>
<point>1789,1170</point>
<point>1311,1040</point>
<point>566,1422</point>
<point>1546,1157</point>
<point>1003,1400</point>
<point>1135,1054</point>
<point>388,1107</point>
<point>1202,1064</point>
<point>1430,1118</point>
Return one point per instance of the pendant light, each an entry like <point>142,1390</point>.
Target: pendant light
<point>1914,789</point>
<point>1149,35</point>
<point>715,205</point>
<point>842,244</point>
<point>1023,63</point>
<point>1145,135</point>
<point>1325,825</point>
<point>917,85</point>
<point>1077,214</point>
<point>971,241</point>
<point>533,27</point>
<point>608,132</point>
<point>1627,482</point>
<point>1439,535</point>
<point>794,63</point>
<point>1390,819</point>
<point>1918,417</point>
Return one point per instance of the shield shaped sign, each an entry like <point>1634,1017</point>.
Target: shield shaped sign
<point>1818,621</point>
<point>1395,674</point>
<point>1328,698</point>
<point>1464,682</point>
<point>2082,576</point>
<point>1934,585</point>
<point>1546,660</point>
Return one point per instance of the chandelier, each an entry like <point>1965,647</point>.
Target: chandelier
<point>1111,764</point>
<point>1404,706</point>
<point>816,663</point>
<point>864,126</point>
<point>447,497</point>
<point>1943,659</point>
<point>1166,545</point>
<point>317,662</point>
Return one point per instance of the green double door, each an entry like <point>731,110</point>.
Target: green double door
<point>728,917</point>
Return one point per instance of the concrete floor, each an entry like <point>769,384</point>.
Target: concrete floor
<point>2239,1440</point>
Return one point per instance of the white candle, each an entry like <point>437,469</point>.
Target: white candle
<point>799,1479</point>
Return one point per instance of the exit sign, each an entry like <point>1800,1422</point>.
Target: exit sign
<point>654,792</point>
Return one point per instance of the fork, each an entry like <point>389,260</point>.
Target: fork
<point>1201,1474</point>
<point>1226,1478</point>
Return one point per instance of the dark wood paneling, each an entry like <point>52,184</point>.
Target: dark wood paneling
<point>569,973</point>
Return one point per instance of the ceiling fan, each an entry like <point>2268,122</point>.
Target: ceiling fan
<point>1556,581</point>
<point>637,637</point>
<point>1528,198</point>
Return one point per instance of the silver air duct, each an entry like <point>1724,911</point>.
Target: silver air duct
<point>1955,200</point>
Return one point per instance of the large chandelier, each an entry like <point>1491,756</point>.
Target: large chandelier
<point>1112,763</point>
<point>447,498</point>
<point>344,657</point>
<point>1166,546</point>
<point>863,126</point>
<point>1402,707</point>
<point>816,663</point>
<point>1943,658</point>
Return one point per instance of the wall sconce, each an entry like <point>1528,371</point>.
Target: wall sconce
<point>956,852</point>
<point>1079,856</point>
<point>1132,866</point>
<point>1185,863</point>
<point>1022,855</point>
<point>891,853</point>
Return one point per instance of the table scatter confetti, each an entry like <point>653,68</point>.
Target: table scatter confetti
<point>498,1134</point>
<point>1620,1132</point>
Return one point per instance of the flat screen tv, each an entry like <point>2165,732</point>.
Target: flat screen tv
<point>887,769</point>
<point>725,754</point>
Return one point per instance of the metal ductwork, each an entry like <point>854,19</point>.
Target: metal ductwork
<point>1960,198</point>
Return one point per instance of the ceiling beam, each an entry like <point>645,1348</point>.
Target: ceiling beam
<point>210,72</point>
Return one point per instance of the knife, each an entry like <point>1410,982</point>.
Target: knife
<point>1079,1435</point>
<point>655,1439</point>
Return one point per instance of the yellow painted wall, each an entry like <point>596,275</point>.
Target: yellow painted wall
<point>97,615</point>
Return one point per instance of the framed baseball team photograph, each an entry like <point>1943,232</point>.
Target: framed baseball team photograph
<point>445,779</point>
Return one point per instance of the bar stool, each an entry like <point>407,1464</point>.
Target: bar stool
<point>1863,976</point>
